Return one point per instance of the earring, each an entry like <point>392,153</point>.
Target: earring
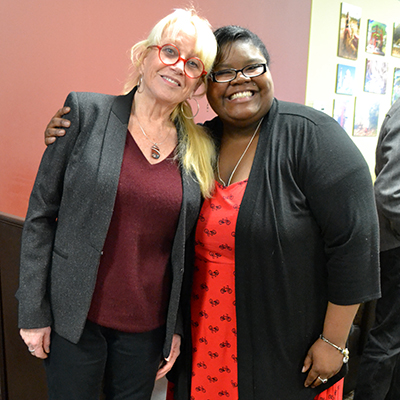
<point>193,116</point>
<point>139,84</point>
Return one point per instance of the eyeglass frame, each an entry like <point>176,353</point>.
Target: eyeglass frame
<point>204,72</point>
<point>236,71</point>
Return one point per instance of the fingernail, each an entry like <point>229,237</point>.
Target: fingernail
<point>66,123</point>
<point>303,369</point>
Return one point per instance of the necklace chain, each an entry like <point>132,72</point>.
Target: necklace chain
<point>240,159</point>
<point>155,150</point>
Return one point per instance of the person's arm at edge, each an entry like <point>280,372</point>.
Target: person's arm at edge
<point>386,186</point>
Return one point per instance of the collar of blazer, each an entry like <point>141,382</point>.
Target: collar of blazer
<point>122,106</point>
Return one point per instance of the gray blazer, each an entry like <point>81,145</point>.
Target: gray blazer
<point>69,213</point>
<point>387,184</point>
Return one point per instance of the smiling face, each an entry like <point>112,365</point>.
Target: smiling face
<point>243,101</point>
<point>169,84</point>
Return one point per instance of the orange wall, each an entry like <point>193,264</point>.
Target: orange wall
<point>51,47</point>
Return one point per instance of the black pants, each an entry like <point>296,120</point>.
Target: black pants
<point>379,372</point>
<point>123,364</point>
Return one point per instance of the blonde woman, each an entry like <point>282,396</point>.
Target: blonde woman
<point>113,203</point>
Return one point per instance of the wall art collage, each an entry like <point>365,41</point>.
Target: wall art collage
<point>359,115</point>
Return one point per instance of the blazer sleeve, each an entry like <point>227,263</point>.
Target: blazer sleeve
<point>41,224</point>
<point>387,184</point>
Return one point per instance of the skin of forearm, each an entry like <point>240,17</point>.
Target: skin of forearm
<point>337,324</point>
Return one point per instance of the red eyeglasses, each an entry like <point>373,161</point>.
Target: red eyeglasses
<point>170,55</point>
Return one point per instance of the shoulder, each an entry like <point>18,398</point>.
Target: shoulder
<point>214,129</point>
<point>85,99</point>
<point>298,112</point>
<point>213,125</point>
<point>310,124</point>
<point>316,142</point>
<point>307,128</point>
<point>394,111</point>
<point>95,108</point>
<point>391,123</point>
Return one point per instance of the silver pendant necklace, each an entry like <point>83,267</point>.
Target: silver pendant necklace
<point>155,150</point>
<point>240,159</point>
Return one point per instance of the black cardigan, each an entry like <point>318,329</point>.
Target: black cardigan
<point>306,234</point>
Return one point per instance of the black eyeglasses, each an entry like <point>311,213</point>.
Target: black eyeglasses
<point>170,55</point>
<point>227,75</point>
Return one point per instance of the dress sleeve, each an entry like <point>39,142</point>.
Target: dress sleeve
<point>338,187</point>
<point>41,224</point>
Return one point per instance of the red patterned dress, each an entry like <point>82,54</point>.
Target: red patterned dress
<point>213,311</point>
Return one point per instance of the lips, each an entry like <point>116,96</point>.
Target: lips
<point>241,95</point>
<point>171,80</point>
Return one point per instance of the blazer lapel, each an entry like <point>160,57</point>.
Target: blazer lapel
<point>109,168</point>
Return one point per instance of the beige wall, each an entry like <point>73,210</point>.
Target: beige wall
<point>323,60</point>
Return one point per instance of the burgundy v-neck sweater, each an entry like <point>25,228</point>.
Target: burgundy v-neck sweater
<point>133,281</point>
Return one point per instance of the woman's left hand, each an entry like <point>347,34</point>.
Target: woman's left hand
<point>173,355</point>
<point>322,361</point>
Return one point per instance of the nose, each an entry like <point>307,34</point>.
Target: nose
<point>180,66</point>
<point>240,78</point>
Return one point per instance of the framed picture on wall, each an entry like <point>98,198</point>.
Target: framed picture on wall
<point>345,79</point>
<point>343,113</point>
<point>376,38</point>
<point>366,116</point>
<point>375,76</point>
<point>349,31</point>
<point>396,40</point>
<point>396,85</point>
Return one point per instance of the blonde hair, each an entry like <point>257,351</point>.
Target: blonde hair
<point>196,150</point>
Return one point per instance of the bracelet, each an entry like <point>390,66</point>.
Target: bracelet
<point>345,352</point>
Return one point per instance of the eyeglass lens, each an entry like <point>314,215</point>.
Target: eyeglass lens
<point>249,71</point>
<point>169,55</point>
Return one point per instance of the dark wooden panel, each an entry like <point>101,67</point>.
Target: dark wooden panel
<point>22,376</point>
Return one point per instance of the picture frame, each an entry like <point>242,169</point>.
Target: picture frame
<point>366,116</point>
<point>396,40</point>
<point>376,38</point>
<point>343,113</point>
<point>345,79</point>
<point>349,31</point>
<point>376,72</point>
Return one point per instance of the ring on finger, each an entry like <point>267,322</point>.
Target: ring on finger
<point>323,380</point>
<point>31,350</point>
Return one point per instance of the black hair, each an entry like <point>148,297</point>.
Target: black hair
<point>228,35</point>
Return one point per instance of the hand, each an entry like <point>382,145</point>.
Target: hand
<point>322,361</point>
<point>173,355</point>
<point>53,128</point>
<point>37,340</point>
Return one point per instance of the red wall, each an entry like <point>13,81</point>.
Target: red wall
<point>51,47</point>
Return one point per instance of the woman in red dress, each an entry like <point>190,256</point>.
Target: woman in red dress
<point>279,270</point>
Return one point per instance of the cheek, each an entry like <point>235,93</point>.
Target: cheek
<point>200,88</point>
<point>214,95</point>
<point>192,84</point>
